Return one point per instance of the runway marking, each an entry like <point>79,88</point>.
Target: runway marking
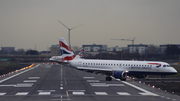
<point>123,93</point>
<point>18,74</point>
<point>1,94</point>
<point>34,78</point>
<point>78,93</point>
<point>145,92</point>
<point>77,90</point>
<point>88,77</point>
<point>24,85</point>
<point>149,93</point>
<point>46,90</point>
<point>22,93</point>
<point>115,84</point>
<point>30,81</point>
<point>100,93</point>
<point>44,93</point>
<point>67,94</point>
<point>61,87</point>
<point>8,85</point>
<point>93,81</point>
<point>99,84</point>
<point>104,84</point>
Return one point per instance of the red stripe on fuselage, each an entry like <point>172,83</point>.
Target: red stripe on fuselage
<point>154,63</point>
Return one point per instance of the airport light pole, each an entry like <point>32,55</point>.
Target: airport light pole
<point>69,29</point>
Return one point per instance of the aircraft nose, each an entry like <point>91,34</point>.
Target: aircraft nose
<point>173,70</point>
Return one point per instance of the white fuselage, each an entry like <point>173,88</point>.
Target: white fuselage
<point>55,59</point>
<point>132,67</point>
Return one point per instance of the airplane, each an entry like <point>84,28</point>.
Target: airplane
<point>58,59</point>
<point>115,68</point>
<point>55,59</point>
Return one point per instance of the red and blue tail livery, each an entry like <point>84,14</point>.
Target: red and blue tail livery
<point>67,54</point>
<point>81,52</point>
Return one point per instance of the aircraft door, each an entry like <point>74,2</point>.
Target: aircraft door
<point>157,67</point>
<point>80,63</point>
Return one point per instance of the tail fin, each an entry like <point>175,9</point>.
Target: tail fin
<point>80,54</point>
<point>67,54</point>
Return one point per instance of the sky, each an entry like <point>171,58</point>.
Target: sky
<point>33,23</point>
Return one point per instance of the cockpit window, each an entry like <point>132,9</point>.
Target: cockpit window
<point>164,65</point>
<point>168,66</point>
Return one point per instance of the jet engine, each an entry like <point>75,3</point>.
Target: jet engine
<point>120,75</point>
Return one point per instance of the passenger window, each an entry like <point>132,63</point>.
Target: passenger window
<point>164,65</point>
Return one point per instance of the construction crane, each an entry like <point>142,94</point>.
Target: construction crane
<point>127,40</point>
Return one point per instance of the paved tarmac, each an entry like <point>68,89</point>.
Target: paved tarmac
<point>53,82</point>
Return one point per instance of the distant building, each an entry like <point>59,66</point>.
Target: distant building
<point>94,48</point>
<point>121,48</point>
<point>45,53</point>
<point>162,48</point>
<point>55,50</point>
<point>109,49</point>
<point>141,48</point>
<point>7,50</point>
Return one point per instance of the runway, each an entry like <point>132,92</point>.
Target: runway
<point>53,82</point>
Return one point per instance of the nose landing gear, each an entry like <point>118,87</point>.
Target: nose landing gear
<point>108,78</point>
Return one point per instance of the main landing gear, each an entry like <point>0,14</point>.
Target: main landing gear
<point>108,78</point>
<point>162,76</point>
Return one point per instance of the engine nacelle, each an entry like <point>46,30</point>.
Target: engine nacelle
<point>120,75</point>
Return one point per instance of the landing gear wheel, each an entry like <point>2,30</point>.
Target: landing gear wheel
<point>108,78</point>
<point>123,79</point>
<point>162,76</point>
